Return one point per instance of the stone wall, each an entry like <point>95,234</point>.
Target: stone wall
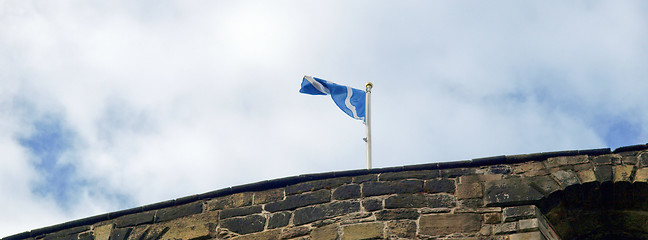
<point>504,197</point>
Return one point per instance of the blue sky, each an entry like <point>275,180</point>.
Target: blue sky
<point>111,105</point>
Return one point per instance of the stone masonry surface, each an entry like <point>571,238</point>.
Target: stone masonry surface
<point>503,197</point>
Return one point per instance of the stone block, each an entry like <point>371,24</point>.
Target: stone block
<point>265,235</point>
<point>456,172</point>
<point>230,201</point>
<point>519,212</point>
<point>86,236</point>
<point>439,186</point>
<point>471,203</point>
<point>329,232</point>
<point>242,211</point>
<point>300,200</point>
<point>171,213</point>
<point>120,233</point>
<point>469,190</point>
<point>346,192</point>
<point>526,236</point>
<point>103,232</point>
<point>371,205</point>
<point>566,160</point>
<point>293,232</point>
<point>280,219</point>
<point>503,228</point>
<point>267,196</point>
<point>622,173</point>
<point>135,219</point>
<point>363,231</point>
<point>544,184</point>
<point>421,174</point>
<point>438,200</point>
<point>365,178</point>
<point>641,175</point>
<point>528,167</point>
<point>384,188</point>
<point>198,227</point>
<point>479,178</point>
<point>395,214</point>
<point>139,232</point>
<point>317,185</point>
<point>606,159</point>
<point>510,191</point>
<point>245,225</point>
<point>499,169</point>
<point>528,224</point>
<point>401,229</point>
<point>603,173</point>
<point>565,178</point>
<point>324,211</point>
<point>492,218</point>
<point>642,159</point>
<point>154,233</point>
<point>586,176</point>
<point>445,224</point>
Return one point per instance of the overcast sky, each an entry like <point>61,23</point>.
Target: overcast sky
<point>108,105</point>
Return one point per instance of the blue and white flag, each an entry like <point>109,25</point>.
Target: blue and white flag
<point>350,100</point>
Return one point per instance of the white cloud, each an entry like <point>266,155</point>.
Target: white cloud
<point>169,99</point>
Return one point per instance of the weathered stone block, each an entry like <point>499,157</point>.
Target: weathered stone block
<point>528,224</point>
<point>519,212</point>
<point>439,185</point>
<point>395,214</point>
<point>469,190</point>
<point>329,232</point>
<point>154,233</point>
<point>120,233</point>
<point>363,231</point>
<point>324,211</point>
<point>365,178</point>
<point>242,211</point>
<point>456,172</point>
<point>346,192</point>
<point>526,236</point>
<point>383,188</point>
<point>135,219</point>
<point>103,232</point>
<point>565,178</point>
<point>492,218</point>
<point>445,224</point>
<point>316,185</point>
<point>86,236</point>
<point>586,176</point>
<point>279,219</point>
<point>606,159</point>
<point>641,175</point>
<point>438,200</point>
<point>301,200</point>
<point>505,228</point>
<point>421,174</point>
<point>231,201</point>
<point>603,173</point>
<point>510,191</point>
<point>479,178</point>
<point>371,205</point>
<point>642,159</point>
<point>267,196</point>
<point>401,229</point>
<point>566,160</point>
<point>499,169</point>
<point>171,213</point>
<point>622,173</point>
<point>294,232</point>
<point>245,225</point>
<point>266,235</point>
<point>544,184</point>
<point>528,167</point>
<point>198,227</point>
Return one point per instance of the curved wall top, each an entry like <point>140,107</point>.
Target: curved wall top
<point>502,197</point>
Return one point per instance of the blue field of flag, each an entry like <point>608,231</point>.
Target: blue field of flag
<point>350,100</point>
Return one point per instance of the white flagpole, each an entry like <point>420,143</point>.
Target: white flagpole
<point>368,86</point>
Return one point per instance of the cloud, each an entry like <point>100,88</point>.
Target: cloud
<point>110,105</point>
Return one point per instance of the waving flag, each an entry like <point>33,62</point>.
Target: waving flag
<point>350,100</point>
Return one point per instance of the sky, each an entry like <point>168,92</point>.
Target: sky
<point>109,105</point>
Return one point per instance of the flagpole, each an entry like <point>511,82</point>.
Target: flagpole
<point>368,86</point>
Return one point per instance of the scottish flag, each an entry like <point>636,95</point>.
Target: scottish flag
<point>350,100</point>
